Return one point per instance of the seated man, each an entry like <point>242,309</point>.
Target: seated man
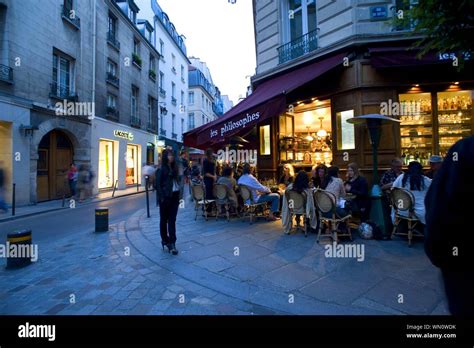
<point>259,192</point>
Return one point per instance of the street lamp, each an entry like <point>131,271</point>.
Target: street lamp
<point>374,124</point>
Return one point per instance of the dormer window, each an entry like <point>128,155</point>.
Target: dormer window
<point>132,15</point>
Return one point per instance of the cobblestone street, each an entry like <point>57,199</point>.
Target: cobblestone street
<point>222,268</point>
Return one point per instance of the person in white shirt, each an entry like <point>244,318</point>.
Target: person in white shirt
<point>260,193</point>
<point>418,185</point>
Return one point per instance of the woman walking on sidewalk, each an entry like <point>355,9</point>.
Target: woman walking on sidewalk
<point>168,191</point>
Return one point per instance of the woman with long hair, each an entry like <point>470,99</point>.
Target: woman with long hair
<point>169,194</point>
<point>288,175</point>
<point>318,173</point>
<point>417,184</point>
<point>332,183</point>
<point>358,186</point>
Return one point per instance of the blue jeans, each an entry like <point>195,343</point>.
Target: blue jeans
<point>273,198</point>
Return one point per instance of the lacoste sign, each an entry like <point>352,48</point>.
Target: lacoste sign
<point>123,134</point>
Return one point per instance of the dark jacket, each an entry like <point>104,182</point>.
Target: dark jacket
<point>449,210</point>
<point>164,183</point>
<point>360,188</point>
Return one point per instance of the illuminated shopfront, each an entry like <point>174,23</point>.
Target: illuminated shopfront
<point>132,167</point>
<point>106,172</point>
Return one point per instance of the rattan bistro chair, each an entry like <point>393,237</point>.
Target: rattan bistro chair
<point>252,209</point>
<point>297,206</point>
<point>403,201</point>
<point>221,192</point>
<point>325,202</point>
<point>199,199</point>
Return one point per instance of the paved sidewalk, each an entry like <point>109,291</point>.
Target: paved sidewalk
<point>44,207</point>
<point>223,268</point>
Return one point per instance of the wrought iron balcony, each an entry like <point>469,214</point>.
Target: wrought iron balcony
<point>113,80</point>
<point>62,92</point>
<point>112,113</point>
<point>6,73</point>
<point>174,136</point>
<point>163,132</point>
<point>70,16</point>
<point>112,40</point>
<point>298,47</point>
<point>135,121</point>
<point>174,101</point>
<point>152,126</point>
<point>137,60</point>
<point>162,92</point>
<point>152,74</point>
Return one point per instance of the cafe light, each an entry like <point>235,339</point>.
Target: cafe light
<point>417,85</point>
<point>456,83</point>
<point>321,132</point>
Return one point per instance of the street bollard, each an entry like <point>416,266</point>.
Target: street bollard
<point>102,219</point>
<point>21,242</point>
<point>147,198</point>
<point>115,187</point>
<point>13,199</point>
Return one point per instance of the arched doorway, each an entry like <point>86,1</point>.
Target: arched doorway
<point>55,154</point>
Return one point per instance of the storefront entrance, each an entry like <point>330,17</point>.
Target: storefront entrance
<point>55,155</point>
<point>132,175</point>
<point>150,154</point>
<point>106,164</point>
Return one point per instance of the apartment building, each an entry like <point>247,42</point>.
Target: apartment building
<point>77,85</point>
<point>172,75</point>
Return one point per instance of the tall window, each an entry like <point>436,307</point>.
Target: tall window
<point>161,122</point>
<point>299,18</point>
<point>111,68</point>
<point>152,63</point>
<point>150,109</point>
<point>173,123</point>
<point>182,72</point>
<point>112,26</point>
<point>182,98</point>
<point>132,15</point>
<point>63,68</point>
<point>182,125</point>
<point>191,120</point>
<point>202,101</point>
<point>136,46</point>
<point>173,62</point>
<point>68,5</point>
<point>191,98</point>
<point>134,102</point>
<point>111,101</point>
<point>203,120</point>
<point>162,79</point>
<point>162,48</point>
<point>173,90</point>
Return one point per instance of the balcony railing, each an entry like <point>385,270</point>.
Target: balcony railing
<point>70,16</point>
<point>6,73</point>
<point>152,126</point>
<point>62,92</point>
<point>137,60</point>
<point>174,136</point>
<point>162,92</point>
<point>135,121</point>
<point>163,132</point>
<point>112,113</point>
<point>112,40</point>
<point>174,101</point>
<point>113,80</point>
<point>152,75</point>
<point>298,47</point>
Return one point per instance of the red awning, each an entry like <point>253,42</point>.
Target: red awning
<point>268,100</point>
<point>403,56</point>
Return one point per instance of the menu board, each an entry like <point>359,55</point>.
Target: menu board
<point>345,134</point>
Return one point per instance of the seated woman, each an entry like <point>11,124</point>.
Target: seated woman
<point>288,175</point>
<point>418,185</point>
<point>259,192</point>
<point>228,180</point>
<point>358,186</point>
<point>300,185</point>
<point>318,173</point>
<point>335,185</point>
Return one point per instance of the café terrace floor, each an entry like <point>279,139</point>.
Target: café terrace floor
<point>223,267</point>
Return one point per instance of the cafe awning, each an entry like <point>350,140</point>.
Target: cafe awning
<point>268,100</point>
<point>404,56</point>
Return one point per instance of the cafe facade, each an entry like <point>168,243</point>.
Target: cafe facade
<point>299,116</point>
